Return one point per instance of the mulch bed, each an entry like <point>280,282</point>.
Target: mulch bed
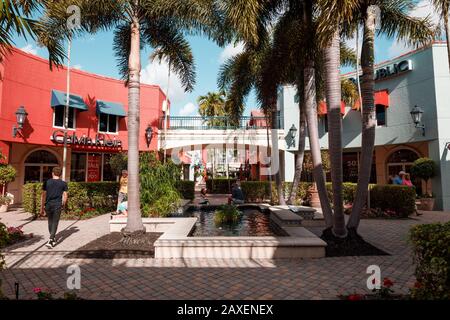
<point>111,246</point>
<point>353,245</point>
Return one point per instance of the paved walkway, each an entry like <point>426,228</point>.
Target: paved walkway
<point>33,265</point>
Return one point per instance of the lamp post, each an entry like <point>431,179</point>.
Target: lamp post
<point>149,135</point>
<point>416,114</point>
<point>21,117</point>
<point>292,133</point>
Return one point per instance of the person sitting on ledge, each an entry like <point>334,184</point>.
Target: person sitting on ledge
<point>237,196</point>
<point>203,195</point>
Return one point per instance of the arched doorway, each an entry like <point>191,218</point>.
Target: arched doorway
<point>38,166</point>
<point>401,160</point>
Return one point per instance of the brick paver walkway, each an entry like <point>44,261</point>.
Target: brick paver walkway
<point>32,265</point>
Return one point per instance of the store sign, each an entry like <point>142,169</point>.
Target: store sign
<point>390,70</point>
<point>393,70</point>
<point>93,168</point>
<point>99,140</point>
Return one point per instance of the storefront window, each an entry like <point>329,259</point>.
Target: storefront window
<point>78,167</point>
<point>108,173</point>
<point>39,166</point>
<point>108,123</point>
<point>381,115</point>
<point>58,117</point>
<point>350,161</point>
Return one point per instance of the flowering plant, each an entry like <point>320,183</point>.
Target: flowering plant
<point>385,292</point>
<point>43,295</point>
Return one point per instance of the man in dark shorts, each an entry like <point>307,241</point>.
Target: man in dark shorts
<point>54,197</point>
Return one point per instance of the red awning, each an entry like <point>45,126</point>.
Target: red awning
<point>381,97</point>
<point>323,110</point>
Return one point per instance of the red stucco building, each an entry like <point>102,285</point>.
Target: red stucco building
<point>97,120</point>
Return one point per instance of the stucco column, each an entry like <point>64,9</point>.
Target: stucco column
<point>441,183</point>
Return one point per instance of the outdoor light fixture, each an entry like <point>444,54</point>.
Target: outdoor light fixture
<point>21,117</point>
<point>416,114</point>
<point>149,135</point>
<point>292,134</point>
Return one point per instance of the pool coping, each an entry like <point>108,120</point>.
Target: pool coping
<point>175,241</point>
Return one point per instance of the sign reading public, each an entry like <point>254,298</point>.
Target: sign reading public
<point>99,140</point>
<point>392,70</point>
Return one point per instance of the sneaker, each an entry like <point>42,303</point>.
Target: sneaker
<point>49,244</point>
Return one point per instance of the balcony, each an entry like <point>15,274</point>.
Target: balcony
<point>215,123</point>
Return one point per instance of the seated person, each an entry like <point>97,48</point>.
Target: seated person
<point>123,208</point>
<point>203,195</point>
<point>237,196</point>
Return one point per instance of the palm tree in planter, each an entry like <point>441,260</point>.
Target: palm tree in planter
<point>425,169</point>
<point>136,24</point>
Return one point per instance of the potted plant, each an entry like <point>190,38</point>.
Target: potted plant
<point>7,175</point>
<point>425,169</point>
<point>5,201</point>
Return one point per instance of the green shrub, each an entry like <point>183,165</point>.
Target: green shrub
<point>81,195</point>
<point>7,174</point>
<point>227,214</point>
<point>159,195</point>
<point>186,189</point>
<point>425,169</point>
<point>255,191</point>
<point>396,201</point>
<point>4,235</point>
<point>431,251</point>
<point>219,185</point>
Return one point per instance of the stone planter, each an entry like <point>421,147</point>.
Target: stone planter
<point>3,208</point>
<point>426,204</point>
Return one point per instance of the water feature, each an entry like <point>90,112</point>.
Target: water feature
<point>252,223</point>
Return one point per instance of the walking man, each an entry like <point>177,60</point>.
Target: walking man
<point>123,191</point>
<point>54,197</point>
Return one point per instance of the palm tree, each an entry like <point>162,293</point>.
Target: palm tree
<point>213,105</point>
<point>443,7</point>
<point>15,18</point>
<point>395,21</point>
<point>137,23</point>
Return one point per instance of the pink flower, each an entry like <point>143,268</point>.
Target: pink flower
<point>37,290</point>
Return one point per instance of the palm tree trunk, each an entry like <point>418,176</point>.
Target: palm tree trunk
<point>300,154</point>
<point>275,155</point>
<point>134,220</point>
<point>333,85</point>
<point>268,150</point>
<point>368,121</point>
<point>447,35</point>
<point>311,119</point>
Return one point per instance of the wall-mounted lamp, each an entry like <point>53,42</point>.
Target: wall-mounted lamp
<point>21,117</point>
<point>149,135</point>
<point>292,134</point>
<point>447,146</point>
<point>416,114</point>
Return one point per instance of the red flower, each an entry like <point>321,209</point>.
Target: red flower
<point>37,290</point>
<point>417,285</point>
<point>388,283</point>
<point>355,297</point>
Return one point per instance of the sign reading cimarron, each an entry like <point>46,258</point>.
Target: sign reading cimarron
<point>72,139</point>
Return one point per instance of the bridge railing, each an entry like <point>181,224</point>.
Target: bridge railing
<point>215,123</point>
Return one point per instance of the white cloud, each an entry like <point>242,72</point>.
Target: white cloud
<point>78,67</point>
<point>188,109</point>
<point>423,9</point>
<point>157,73</point>
<point>230,51</point>
<point>29,48</point>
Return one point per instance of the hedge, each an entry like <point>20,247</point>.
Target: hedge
<point>219,186</point>
<point>396,201</point>
<point>186,189</point>
<point>102,196</point>
<point>431,252</point>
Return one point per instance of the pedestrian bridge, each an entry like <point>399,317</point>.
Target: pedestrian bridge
<point>184,132</point>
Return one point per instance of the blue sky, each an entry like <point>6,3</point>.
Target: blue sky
<point>93,53</point>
